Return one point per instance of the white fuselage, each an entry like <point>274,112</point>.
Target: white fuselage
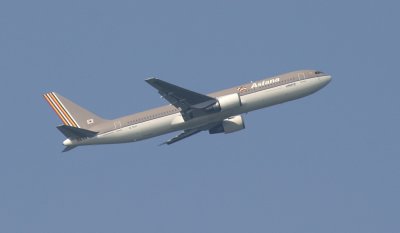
<point>175,122</point>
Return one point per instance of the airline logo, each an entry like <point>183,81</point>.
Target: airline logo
<point>60,109</point>
<point>264,83</point>
<point>241,89</point>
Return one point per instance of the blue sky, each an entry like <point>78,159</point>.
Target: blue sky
<point>325,163</point>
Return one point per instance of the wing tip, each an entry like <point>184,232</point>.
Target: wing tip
<point>150,79</point>
<point>68,148</point>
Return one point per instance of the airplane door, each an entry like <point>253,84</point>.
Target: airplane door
<point>117,124</point>
<point>301,76</point>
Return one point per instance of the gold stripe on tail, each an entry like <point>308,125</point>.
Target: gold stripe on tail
<point>66,110</point>
<point>56,110</point>
<point>63,109</point>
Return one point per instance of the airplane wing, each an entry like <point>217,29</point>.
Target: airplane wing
<point>190,132</point>
<point>188,101</point>
<point>183,135</point>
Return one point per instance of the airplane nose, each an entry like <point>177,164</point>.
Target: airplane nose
<point>327,79</point>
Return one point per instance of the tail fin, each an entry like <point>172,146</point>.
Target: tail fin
<point>70,113</point>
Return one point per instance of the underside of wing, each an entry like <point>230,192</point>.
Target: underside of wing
<point>68,148</point>
<point>183,135</point>
<point>189,132</point>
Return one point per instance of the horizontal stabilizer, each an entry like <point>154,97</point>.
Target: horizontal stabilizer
<point>73,132</point>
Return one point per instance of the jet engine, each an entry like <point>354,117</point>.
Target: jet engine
<point>226,102</point>
<point>229,125</point>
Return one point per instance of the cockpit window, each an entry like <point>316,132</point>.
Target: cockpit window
<point>318,72</point>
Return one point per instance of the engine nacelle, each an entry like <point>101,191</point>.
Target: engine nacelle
<point>229,125</point>
<point>226,102</point>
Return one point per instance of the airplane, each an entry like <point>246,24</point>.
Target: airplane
<point>189,112</point>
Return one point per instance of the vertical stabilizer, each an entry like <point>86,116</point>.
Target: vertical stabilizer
<point>72,114</point>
